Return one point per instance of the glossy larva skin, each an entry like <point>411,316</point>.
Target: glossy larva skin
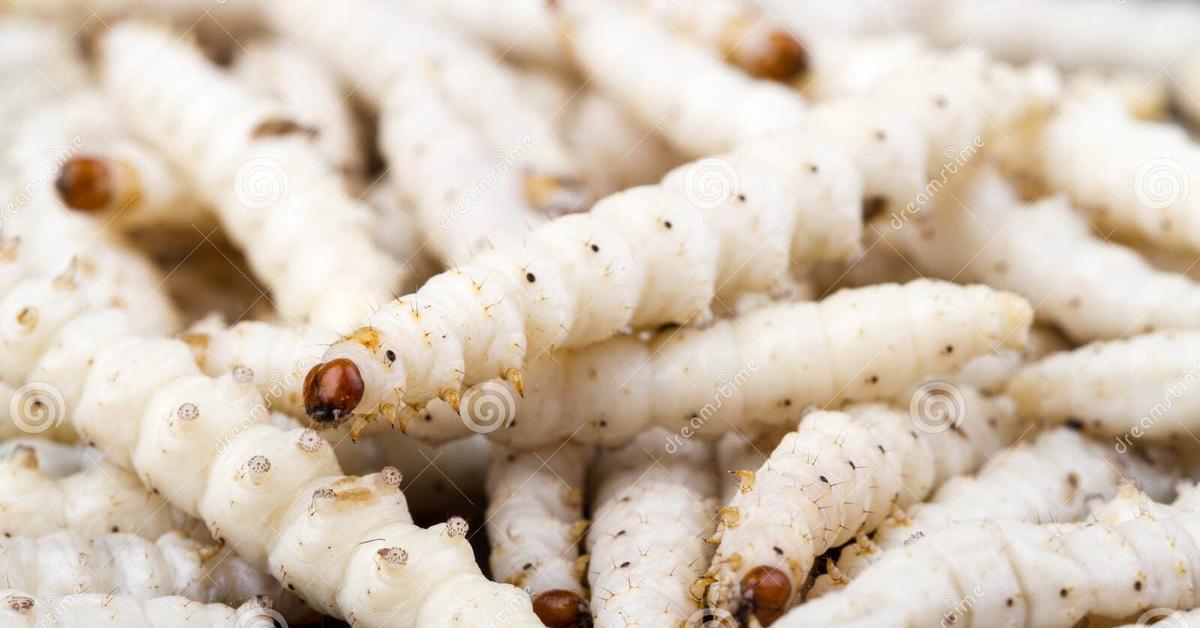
<point>839,475</point>
<point>21,609</point>
<point>98,499</point>
<point>1017,574</point>
<point>1139,191</point>
<point>57,565</point>
<point>654,507</point>
<point>278,496</point>
<point>1101,290</point>
<point>1093,385</point>
<point>1047,480</point>
<point>757,371</point>
<point>270,185</point>
<point>535,516</point>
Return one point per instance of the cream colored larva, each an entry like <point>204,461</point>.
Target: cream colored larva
<point>654,507</point>
<point>838,476</point>
<point>525,30</point>
<point>1138,191</point>
<point>1047,480</point>
<point>347,545</point>
<point>994,573</point>
<point>60,564</point>
<point>20,609</point>
<point>640,258</point>
<point>27,43</point>
<point>1099,290</point>
<point>99,499</point>
<point>269,184</point>
<point>1124,389</point>
<point>535,523</point>
<point>755,372</point>
<point>310,93</point>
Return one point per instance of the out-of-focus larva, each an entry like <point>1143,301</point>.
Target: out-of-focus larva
<point>1099,290</point>
<point>535,523</point>
<point>654,507</point>
<point>25,45</point>
<point>269,184</point>
<point>1000,573</point>
<point>346,544</point>
<point>57,565</point>
<point>755,372</point>
<point>1124,389</point>
<point>21,609</point>
<point>838,476</point>
<point>310,93</point>
<point>1050,479</point>
<point>524,30</point>
<point>99,499</point>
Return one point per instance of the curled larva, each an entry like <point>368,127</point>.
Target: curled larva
<point>757,371</point>
<point>999,573</point>
<point>271,187</point>
<point>654,507</point>
<point>535,523</point>
<point>21,609</point>
<point>1099,290</point>
<point>278,496</point>
<point>1128,389</point>
<point>838,476</point>
<point>1047,480</point>
<point>59,564</point>
<point>98,499</point>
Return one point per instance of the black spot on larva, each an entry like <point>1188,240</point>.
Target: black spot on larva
<point>8,535</point>
<point>621,533</point>
<point>1062,593</point>
<point>852,464</point>
<point>390,355</point>
<point>1073,480</point>
<point>625,564</point>
<point>428,416</point>
<point>595,248</point>
<point>881,135</point>
<point>881,449</point>
<point>787,402</point>
<point>824,479</point>
<point>530,278</point>
<point>778,550</point>
<point>512,457</point>
<point>291,587</point>
<point>1074,424</point>
<point>742,197</point>
<point>603,423</point>
<point>813,168</point>
<point>949,348</point>
<point>667,224</point>
<point>1137,585</point>
<point>116,529</point>
<point>1008,602</point>
<point>874,379</point>
<point>526,566</point>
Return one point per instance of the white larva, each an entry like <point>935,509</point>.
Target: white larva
<point>755,372</point>
<point>99,499</point>
<point>20,609</point>
<point>25,44</point>
<point>1138,191</point>
<point>737,453</point>
<point>267,181</point>
<point>654,507</point>
<point>1013,573</point>
<point>535,522</point>
<point>838,476</point>
<point>207,446</point>
<point>1047,480</point>
<point>310,93</point>
<point>1099,290</point>
<point>60,564</point>
<point>525,30</point>
<point>1125,389</point>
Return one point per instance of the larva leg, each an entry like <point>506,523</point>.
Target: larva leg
<point>98,610</point>
<point>347,545</point>
<point>57,565</point>
<point>760,370</point>
<point>1093,388</point>
<point>535,522</point>
<point>838,476</point>
<point>737,456</point>
<point>654,508</point>
<point>53,459</point>
<point>310,93</point>
<point>1100,290</point>
<point>258,169</point>
<point>1015,573</point>
<point>101,498</point>
<point>1048,480</point>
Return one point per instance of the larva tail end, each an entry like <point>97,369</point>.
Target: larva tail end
<point>332,390</point>
<point>766,592</point>
<point>559,608</point>
<point>85,183</point>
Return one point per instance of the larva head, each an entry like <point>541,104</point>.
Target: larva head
<point>86,183</point>
<point>766,592</point>
<point>356,374</point>
<point>332,390</point>
<point>784,58</point>
<point>559,608</point>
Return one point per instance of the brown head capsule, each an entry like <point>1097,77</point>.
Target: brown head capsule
<point>332,390</point>
<point>784,59</point>
<point>765,594</point>
<point>85,183</point>
<point>559,608</point>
